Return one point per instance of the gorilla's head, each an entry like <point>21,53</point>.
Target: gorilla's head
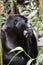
<point>15,24</point>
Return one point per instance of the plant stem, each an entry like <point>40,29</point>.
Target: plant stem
<point>27,55</point>
<point>14,57</point>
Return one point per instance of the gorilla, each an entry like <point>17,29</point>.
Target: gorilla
<point>14,33</point>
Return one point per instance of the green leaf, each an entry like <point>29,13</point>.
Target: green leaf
<point>39,58</point>
<point>41,50</point>
<point>1,3</point>
<point>40,27</point>
<point>34,24</point>
<point>16,49</point>
<point>38,63</point>
<point>30,61</point>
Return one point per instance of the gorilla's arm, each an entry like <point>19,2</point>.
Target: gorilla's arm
<point>34,47</point>
<point>32,43</point>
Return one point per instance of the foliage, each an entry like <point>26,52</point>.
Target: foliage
<point>39,58</point>
<point>41,50</point>
<point>1,2</point>
<point>19,49</point>
<point>30,61</point>
<point>41,26</point>
<point>15,1</point>
<point>35,23</point>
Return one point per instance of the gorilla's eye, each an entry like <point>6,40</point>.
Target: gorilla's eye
<point>16,21</point>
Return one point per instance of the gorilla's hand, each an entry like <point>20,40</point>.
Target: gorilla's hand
<point>25,33</point>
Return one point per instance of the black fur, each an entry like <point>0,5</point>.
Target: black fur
<point>12,36</point>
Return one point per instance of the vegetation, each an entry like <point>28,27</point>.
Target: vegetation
<point>39,58</point>
<point>36,23</point>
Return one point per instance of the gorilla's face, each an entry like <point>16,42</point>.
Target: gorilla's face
<point>20,23</point>
<point>15,24</point>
